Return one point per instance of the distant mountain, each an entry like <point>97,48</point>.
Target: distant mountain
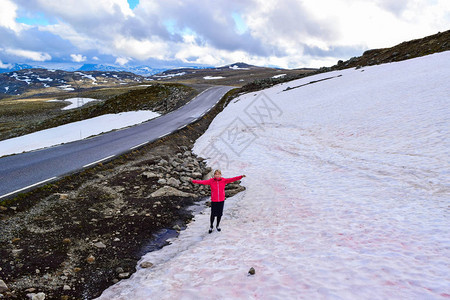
<point>239,66</point>
<point>50,81</point>
<point>139,70</point>
<point>15,67</point>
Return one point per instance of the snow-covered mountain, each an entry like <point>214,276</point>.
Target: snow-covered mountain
<point>47,81</point>
<point>14,67</point>
<point>139,70</point>
<point>346,193</point>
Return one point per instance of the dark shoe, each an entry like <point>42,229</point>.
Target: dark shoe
<point>210,230</point>
<point>218,229</point>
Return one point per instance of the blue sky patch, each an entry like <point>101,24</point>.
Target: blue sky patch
<point>133,3</point>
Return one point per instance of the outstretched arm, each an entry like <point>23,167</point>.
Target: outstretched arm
<point>233,179</point>
<point>204,182</point>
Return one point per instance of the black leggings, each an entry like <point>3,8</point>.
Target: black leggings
<point>212,220</point>
<point>216,211</point>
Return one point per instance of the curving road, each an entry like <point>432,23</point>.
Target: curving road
<point>27,170</point>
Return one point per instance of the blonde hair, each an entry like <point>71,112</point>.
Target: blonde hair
<point>217,171</point>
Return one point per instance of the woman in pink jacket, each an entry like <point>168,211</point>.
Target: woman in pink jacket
<point>217,185</point>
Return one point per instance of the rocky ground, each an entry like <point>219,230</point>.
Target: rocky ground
<point>73,238</point>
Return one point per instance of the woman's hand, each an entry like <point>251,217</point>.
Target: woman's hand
<point>243,175</point>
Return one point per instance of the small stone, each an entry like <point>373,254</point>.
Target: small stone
<point>196,174</point>
<point>119,270</point>
<point>3,286</point>
<point>76,270</point>
<point>100,245</point>
<point>16,252</point>
<point>116,240</point>
<point>124,275</point>
<point>15,240</point>
<point>13,208</point>
<point>176,227</point>
<point>90,259</point>
<point>38,271</point>
<point>38,296</point>
<point>149,175</point>
<point>30,290</point>
<point>63,196</point>
<point>66,241</point>
<point>251,271</point>
<point>3,208</point>
<point>65,297</point>
<point>115,280</point>
<point>146,264</point>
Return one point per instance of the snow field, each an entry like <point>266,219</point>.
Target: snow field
<point>347,193</point>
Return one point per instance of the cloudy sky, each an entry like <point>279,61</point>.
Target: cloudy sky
<point>171,33</point>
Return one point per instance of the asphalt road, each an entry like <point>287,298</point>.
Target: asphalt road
<point>24,171</point>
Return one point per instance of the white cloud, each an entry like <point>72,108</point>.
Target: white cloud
<point>95,58</point>
<point>287,33</point>
<point>32,55</point>
<point>5,66</point>
<point>78,57</point>
<point>122,60</point>
<point>142,49</point>
<point>8,15</point>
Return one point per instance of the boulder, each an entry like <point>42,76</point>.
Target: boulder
<point>38,296</point>
<point>196,174</point>
<point>150,175</point>
<point>173,182</point>
<point>232,192</point>
<point>146,264</point>
<point>209,175</point>
<point>3,286</point>
<point>185,179</point>
<point>170,191</point>
<point>162,181</point>
<point>100,245</point>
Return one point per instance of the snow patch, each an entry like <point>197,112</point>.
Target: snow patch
<point>44,79</point>
<point>212,77</point>
<point>279,76</point>
<point>66,87</point>
<point>73,131</point>
<point>170,75</point>
<point>236,67</point>
<point>88,77</point>
<point>74,102</point>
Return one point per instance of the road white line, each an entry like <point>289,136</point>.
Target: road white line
<point>182,126</point>
<point>96,162</point>
<point>27,187</point>
<point>137,146</point>
<point>163,135</point>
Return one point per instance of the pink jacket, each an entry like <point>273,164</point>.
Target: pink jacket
<point>217,186</point>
